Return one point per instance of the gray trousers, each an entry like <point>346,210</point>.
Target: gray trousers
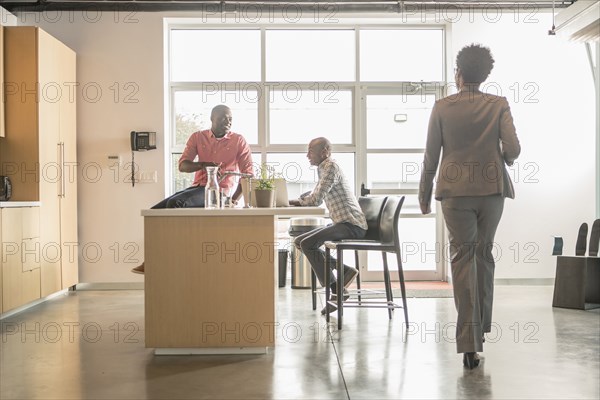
<point>311,242</point>
<point>472,223</point>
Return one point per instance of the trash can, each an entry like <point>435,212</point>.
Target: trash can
<point>301,269</point>
<point>283,256</point>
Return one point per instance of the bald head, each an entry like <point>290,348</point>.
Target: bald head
<point>318,150</point>
<point>221,108</point>
<point>221,119</point>
<point>321,144</point>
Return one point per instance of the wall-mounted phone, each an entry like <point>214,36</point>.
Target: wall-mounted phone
<point>141,141</point>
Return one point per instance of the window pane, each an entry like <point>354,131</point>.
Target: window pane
<point>411,205</point>
<point>181,180</point>
<point>401,55</point>
<point>297,116</point>
<point>397,121</point>
<point>394,171</point>
<point>310,55</point>
<point>301,176</point>
<point>192,112</point>
<point>418,245</point>
<point>215,55</point>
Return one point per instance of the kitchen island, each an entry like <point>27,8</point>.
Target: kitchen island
<point>211,278</point>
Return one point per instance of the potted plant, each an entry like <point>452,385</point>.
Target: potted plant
<point>265,186</point>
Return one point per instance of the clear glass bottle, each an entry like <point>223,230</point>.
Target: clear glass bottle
<point>211,190</point>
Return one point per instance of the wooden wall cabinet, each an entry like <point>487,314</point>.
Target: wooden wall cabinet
<point>20,261</point>
<point>38,152</point>
<point>1,79</point>
<point>1,268</point>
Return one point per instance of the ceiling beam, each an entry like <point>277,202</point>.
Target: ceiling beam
<point>348,6</point>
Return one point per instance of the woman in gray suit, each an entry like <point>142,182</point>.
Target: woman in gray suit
<point>477,135</point>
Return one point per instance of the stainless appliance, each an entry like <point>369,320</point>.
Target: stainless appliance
<point>5,188</point>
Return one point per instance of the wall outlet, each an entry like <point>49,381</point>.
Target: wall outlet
<point>147,177</point>
<point>142,177</point>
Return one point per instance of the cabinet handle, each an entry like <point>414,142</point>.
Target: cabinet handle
<point>59,162</point>
<point>62,168</point>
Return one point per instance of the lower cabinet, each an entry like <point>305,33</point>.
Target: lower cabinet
<point>20,281</point>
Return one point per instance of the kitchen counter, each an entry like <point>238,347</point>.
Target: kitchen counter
<point>6,204</point>
<point>211,278</point>
<point>280,212</point>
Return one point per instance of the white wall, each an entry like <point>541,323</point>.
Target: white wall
<point>111,54</point>
<point>557,133</point>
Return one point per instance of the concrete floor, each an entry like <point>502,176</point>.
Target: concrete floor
<point>90,344</point>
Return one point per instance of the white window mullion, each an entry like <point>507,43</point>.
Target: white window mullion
<point>359,121</point>
<point>263,107</point>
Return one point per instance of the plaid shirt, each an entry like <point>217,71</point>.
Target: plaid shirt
<point>333,188</point>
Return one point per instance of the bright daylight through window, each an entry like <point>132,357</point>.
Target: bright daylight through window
<point>369,89</point>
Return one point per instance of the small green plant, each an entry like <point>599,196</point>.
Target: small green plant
<point>266,179</point>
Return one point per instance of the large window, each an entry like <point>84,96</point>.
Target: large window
<point>368,89</point>
<point>310,55</point>
<point>389,55</point>
<point>202,55</point>
<point>295,115</point>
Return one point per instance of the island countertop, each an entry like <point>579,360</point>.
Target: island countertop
<point>241,212</point>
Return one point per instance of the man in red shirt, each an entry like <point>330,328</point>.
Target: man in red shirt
<point>214,147</point>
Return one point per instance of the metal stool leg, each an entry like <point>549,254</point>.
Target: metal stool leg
<point>327,282</point>
<point>340,287</point>
<point>357,276</point>
<point>402,286</point>
<point>388,284</point>
<point>313,287</point>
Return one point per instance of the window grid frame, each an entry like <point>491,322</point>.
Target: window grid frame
<point>359,91</point>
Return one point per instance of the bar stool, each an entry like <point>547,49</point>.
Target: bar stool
<point>388,242</point>
<point>372,208</point>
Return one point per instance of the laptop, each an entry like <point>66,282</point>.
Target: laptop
<point>281,193</point>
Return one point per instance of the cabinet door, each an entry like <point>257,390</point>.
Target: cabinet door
<point>50,182</point>
<point>20,263</point>
<point>30,245</point>
<point>68,199</point>
<point>30,254</point>
<point>1,83</point>
<point>12,267</point>
<point>30,285</point>
<point>31,222</point>
<point>1,266</point>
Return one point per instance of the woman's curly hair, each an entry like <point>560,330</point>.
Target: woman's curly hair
<point>475,63</point>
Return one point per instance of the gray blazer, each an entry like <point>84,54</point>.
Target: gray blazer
<point>478,137</point>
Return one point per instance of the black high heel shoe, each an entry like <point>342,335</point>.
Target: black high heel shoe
<point>470,360</point>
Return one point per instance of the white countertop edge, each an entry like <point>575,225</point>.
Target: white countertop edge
<point>7,204</point>
<point>278,211</point>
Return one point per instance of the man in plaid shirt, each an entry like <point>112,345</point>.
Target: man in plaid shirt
<point>348,219</point>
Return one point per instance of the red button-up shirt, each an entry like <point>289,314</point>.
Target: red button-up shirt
<point>232,151</point>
